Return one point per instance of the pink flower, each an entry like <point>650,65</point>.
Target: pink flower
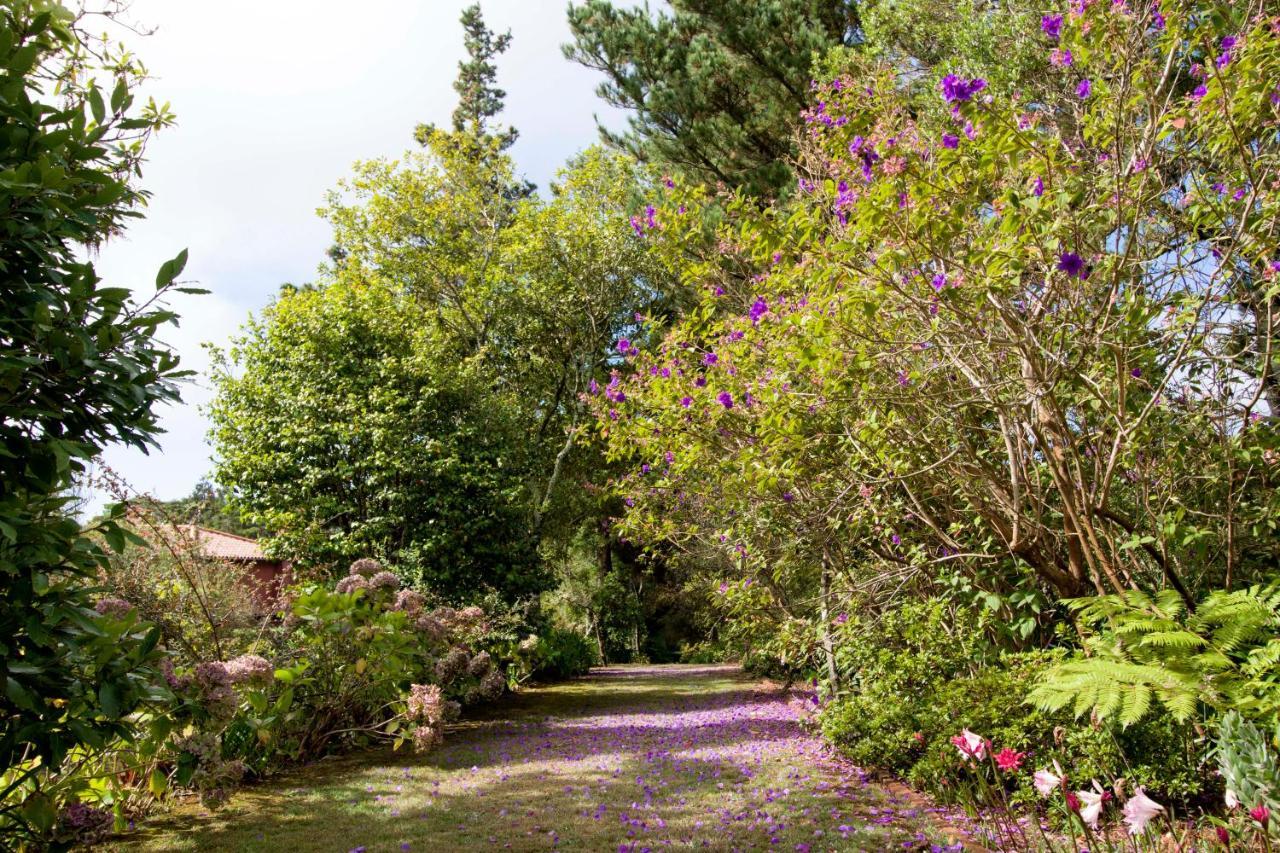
<point>1046,782</point>
<point>1139,811</point>
<point>970,745</point>
<point>1009,760</point>
<point>1261,814</point>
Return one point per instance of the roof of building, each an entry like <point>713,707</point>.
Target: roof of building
<point>224,546</point>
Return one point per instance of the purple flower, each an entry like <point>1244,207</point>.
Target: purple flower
<point>726,399</point>
<point>1051,25</point>
<point>1073,265</point>
<point>758,309</point>
<point>710,359</point>
<point>701,382</point>
<point>651,216</point>
<point>958,89</point>
<point>1200,91</point>
<point>950,140</point>
<point>624,346</point>
<point>595,387</point>
<point>1037,188</point>
<point>939,282</point>
<point>1061,58</point>
<point>1084,89</point>
<point>686,402</point>
<point>787,497</point>
<point>969,130</point>
<point>1136,373</point>
<point>637,227</point>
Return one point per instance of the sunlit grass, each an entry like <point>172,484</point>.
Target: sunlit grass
<point>657,757</point>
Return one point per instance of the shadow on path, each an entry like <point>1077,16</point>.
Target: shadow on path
<point>625,759</point>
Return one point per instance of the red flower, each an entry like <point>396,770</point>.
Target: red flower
<point>1223,836</point>
<point>1261,814</point>
<point>1009,760</point>
<point>1073,802</point>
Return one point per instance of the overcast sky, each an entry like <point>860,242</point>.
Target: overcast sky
<point>275,99</point>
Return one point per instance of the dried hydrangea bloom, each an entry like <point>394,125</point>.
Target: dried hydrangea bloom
<point>410,601</point>
<point>426,703</point>
<point>250,669</point>
<point>452,665</point>
<point>351,583</point>
<point>384,580</point>
<point>116,608</point>
<point>450,711</point>
<point>365,567</point>
<point>428,624</point>
<point>480,665</point>
<point>426,738</point>
<point>446,616</point>
<point>85,824</point>
<point>529,643</point>
<point>492,686</point>
<point>214,683</point>
<point>172,678</point>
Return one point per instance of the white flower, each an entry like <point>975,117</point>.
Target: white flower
<point>1139,810</point>
<point>1093,802</point>
<point>1233,802</point>
<point>1046,782</point>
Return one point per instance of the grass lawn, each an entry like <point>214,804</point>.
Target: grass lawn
<point>629,758</point>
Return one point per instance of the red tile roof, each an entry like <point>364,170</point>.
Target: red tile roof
<point>224,546</point>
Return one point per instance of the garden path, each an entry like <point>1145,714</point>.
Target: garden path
<point>628,758</point>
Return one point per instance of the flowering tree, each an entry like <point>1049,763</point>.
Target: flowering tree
<point>998,335</point>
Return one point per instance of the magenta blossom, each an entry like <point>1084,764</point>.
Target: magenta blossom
<point>958,89</point>
<point>970,745</point>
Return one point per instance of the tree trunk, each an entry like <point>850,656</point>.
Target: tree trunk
<point>824,611</point>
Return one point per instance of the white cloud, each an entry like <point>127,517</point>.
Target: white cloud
<point>275,99</point>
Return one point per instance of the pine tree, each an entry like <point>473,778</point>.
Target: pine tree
<point>717,85</point>
<point>479,99</point>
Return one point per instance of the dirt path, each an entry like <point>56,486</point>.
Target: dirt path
<point>635,759</point>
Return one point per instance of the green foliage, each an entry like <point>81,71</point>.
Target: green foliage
<point>81,369</point>
<point>922,673</point>
<point>342,426</point>
<point>563,654</point>
<point>1249,763</point>
<point>715,86</point>
<point>1143,649</point>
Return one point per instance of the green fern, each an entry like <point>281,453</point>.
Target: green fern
<point>1142,649</point>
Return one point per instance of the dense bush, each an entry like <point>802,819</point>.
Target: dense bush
<point>921,673</point>
<point>562,654</point>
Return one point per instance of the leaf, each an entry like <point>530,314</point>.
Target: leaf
<point>109,699</point>
<point>157,783</point>
<point>171,269</point>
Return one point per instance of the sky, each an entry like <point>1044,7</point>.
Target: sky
<point>275,99</point>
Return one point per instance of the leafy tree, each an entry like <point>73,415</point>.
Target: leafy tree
<point>344,427</point>
<point>984,348</point>
<point>80,369</point>
<point>209,505</point>
<point>715,86</point>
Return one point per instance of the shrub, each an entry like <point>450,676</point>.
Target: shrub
<point>563,654</point>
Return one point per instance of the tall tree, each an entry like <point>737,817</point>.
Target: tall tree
<point>715,85</point>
